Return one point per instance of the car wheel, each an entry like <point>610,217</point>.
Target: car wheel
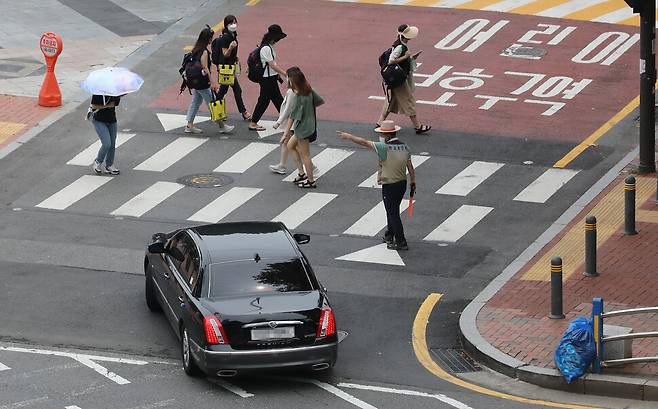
<point>189,365</point>
<point>151,298</point>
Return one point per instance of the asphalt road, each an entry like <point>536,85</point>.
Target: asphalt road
<point>71,281</point>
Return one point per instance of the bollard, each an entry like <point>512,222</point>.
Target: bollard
<point>597,323</point>
<point>556,289</point>
<point>51,46</point>
<point>629,206</point>
<point>590,247</point>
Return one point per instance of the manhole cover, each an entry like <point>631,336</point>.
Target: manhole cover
<point>519,51</point>
<point>205,180</point>
<point>455,360</point>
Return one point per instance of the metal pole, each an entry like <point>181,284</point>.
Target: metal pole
<point>597,323</point>
<point>647,87</point>
<point>590,247</point>
<point>629,206</point>
<point>556,289</point>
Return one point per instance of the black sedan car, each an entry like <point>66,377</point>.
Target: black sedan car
<point>241,297</point>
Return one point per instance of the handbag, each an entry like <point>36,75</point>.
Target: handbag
<point>217,109</point>
<point>226,74</point>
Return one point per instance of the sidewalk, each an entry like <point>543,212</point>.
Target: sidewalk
<point>507,325</point>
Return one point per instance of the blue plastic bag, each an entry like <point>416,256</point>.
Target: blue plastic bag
<point>576,350</point>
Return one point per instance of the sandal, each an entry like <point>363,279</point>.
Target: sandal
<point>300,178</point>
<point>423,129</point>
<point>246,116</point>
<point>257,128</point>
<point>307,184</point>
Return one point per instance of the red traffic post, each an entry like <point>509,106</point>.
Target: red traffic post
<point>51,46</point>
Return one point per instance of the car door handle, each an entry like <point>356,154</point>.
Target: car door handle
<point>166,275</point>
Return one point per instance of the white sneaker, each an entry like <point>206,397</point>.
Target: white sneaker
<point>111,170</point>
<point>96,167</point>
<point>193,129</point>
<point>281,170</point>
<point>226,128</point>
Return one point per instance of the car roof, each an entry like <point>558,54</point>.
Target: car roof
<point>243,240</point>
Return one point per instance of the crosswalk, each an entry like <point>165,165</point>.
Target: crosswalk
<point>150,189</point>
<point>603,11</point>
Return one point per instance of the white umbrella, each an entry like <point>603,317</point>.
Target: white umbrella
<point>112,81</point>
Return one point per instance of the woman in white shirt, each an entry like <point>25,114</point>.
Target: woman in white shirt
<point>269,84</point>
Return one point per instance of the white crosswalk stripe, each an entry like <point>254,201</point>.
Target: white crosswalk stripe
<point>77,190</point>
<point>568,8</point>
<point>542,188</point>
<point>171,154</point>
<point>459,223</point>
<point>507,5</point>
<point>374,221</point>
<point>148,199</point>
<point>325,161</point>
<point>623,13</point>
<point>470,178</point>
<point>298,212</point>
<point>224,205</point>
<point>246,157</point>
<point>87,156</point>
<point>416,160</point>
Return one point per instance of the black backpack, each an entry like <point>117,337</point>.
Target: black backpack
<point>255,68</point>
<point>393,75</point>
<point>216,55</point>
<point>192,73</point>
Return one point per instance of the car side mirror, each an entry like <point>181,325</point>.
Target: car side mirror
<point>301,238</point>
<point>157,247</point>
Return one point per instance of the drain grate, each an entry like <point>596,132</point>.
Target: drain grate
<point>519,51</point>
<point>455,360</point>
<point>205,180</point>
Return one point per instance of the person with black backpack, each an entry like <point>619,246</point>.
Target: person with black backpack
<point>398,64</point>
<point>225,52</point>
<point>197,77</point>
<point>264,70</point>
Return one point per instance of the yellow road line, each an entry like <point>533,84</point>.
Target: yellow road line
<point>609,213</point>
<point>252,2</point>
<point>597,10</point>
<point>476,4</point>
<point>419,342</point>
<point>215,28</point>
<point>536,7</point>
<point>424,3</point>
<point>591,140</point>
<point>631,21</point>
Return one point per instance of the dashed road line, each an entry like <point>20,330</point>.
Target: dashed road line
<point>333,390</point>
<point>443,398</point>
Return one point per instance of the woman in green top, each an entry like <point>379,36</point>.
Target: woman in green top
<point>302,114</point>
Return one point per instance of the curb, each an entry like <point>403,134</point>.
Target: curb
<point>592,384</point>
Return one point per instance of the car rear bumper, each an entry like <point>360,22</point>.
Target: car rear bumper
<point>212,361</point>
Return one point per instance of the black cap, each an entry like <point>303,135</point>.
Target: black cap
<point>275,32</point>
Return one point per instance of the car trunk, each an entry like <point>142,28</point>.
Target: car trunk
<point>269,320</point>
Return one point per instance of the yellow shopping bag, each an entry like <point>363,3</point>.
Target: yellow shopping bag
<point>227,74</point>
<point>217,110</point>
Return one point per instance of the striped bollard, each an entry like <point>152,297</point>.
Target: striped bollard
<point>556,289</point>
<point>597,323</point>
<point>590,247</point>
<point>629,206</point>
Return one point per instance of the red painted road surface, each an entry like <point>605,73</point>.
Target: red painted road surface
<point>465,84</point>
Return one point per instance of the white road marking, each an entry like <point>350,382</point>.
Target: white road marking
<point>545,185</point>
<point>298,212</point>
<point>153,405</point>
<point>443,398</point>
<point>73,407</point>
<point>232,388</point>
<point>469,178</point>
<point>333,390</point>
<point>458,223</point>
<point>378,254</point>
<point>625,12</point>
<point>171,154</point>
<point>416,160</point>
<point>224,205</point>
<point>3,367</point>
<point>87,156</point>
<point>507,5</point>
<point>87,360</point>
<point>173,121</point>
<point>246,157</point>
<point>451,3</point>
<point>148,199</point>
<point>374,221</point>
<point>568,8</point>
<point>24,403</point>
<point>77,190</point>
<point>324,161</point>
<point>269,130</point>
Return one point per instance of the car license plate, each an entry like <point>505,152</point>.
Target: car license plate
<point>272,333</point>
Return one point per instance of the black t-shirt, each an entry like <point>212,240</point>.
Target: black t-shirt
<point>107,115</point>
<point>224,42</point>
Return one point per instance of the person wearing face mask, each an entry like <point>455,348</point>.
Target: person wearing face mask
<point>225,52</point>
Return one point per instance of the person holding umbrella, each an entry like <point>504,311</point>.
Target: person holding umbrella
<point>394,162</point>
<point>107,86</point>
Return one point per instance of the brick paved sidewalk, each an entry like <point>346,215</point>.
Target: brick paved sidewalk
<point>515,320</point>
<point>18,115</point>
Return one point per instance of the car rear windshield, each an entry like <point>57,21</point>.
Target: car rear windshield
<point>264,276</point>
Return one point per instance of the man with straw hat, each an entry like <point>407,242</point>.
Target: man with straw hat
<point>394,162</point>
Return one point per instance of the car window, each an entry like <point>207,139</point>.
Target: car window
<point>261,276</point>
<point>185,257</point>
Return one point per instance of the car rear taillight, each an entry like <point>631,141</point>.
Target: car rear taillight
<point>327,324</point>
<point>215,334</point>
